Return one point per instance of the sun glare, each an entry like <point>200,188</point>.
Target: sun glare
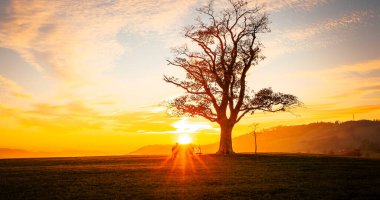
<point>184,139</point>
<point>186,126</point>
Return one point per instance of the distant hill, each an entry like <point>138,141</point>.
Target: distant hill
<point>322,137</point>
<point>20,153</point>
<point>153,150</point>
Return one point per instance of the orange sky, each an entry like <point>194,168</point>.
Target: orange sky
<point>87,76</point>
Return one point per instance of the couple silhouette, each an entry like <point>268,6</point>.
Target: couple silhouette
<point>184,150</point>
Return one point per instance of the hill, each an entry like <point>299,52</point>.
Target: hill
<point>20,153</point>
<point>322,137</point>
<point>153,150</point>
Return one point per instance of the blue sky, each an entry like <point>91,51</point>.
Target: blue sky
<point>105,60</point>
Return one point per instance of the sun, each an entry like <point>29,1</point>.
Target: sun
<point>184,139</point>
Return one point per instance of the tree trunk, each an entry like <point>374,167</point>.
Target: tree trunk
<point>225,145</point>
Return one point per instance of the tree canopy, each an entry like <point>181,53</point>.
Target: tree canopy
<point>225,46</point>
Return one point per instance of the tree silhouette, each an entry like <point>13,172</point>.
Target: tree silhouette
<point>226,47</point>
<point>254,135</point>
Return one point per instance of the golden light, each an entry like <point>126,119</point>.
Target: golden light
<point>184,139</point>
<point>186,126</point>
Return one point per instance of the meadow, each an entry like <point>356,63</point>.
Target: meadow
<point>242,176</point>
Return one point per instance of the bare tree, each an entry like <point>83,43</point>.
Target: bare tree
<point>227,46</point>
<point>254,135</point>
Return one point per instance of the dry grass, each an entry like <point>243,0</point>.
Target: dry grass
<point>205,177</point>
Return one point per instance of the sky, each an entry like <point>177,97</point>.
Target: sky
<point>88,75</point>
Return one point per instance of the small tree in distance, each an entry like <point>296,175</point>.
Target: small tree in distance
<point>255,136</point>
<point>227,47</point>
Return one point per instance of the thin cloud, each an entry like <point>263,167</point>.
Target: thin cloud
<point>348,90</point>
<point>277,5</point>
<point>315,35</point>
<point>347,21</point>
<point>77,41</point>
<point>12,89</point>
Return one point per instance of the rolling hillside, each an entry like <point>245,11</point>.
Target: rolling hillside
<point>331,138</point>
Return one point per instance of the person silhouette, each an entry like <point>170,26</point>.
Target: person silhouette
<point>199,150</point>
<point>175,150</point>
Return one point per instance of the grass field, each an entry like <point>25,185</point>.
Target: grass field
<point>267,176</point>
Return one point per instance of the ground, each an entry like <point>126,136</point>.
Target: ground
<point>241,176</point>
